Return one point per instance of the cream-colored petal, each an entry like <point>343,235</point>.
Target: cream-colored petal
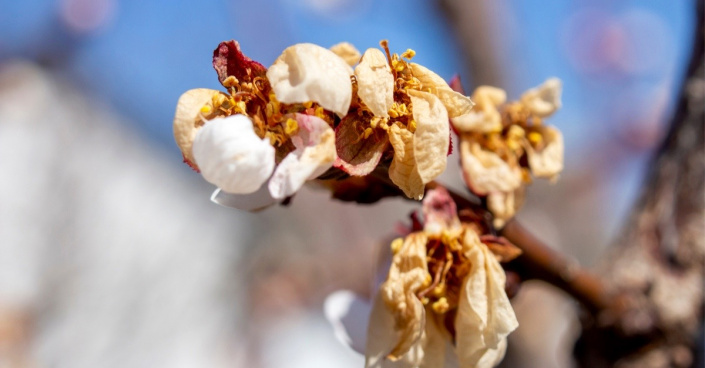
<point>485,117</point>
<point>375,82</point>
<point>548,162</point>
<point>485,316</point>
<point>485,172</point>
<point>307,72</point>
<point>231,156</point>
<point>314,154</point>
<point>545,99</point>
<point>347,52</point>
<point>186,120</point>
<point>420,157</point>
<point>456,103</point>
<point>504,205</point>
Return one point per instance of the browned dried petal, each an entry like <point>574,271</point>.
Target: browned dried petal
<point>502,248</point>
<point>358,156</point>
<point>228,60</point>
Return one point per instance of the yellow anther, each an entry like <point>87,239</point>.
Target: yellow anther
<point>408,54</point>
<point>424,300</point>
<point>291,126</point>
<point>308,104</point>
<point>396,245</point>
<point>439,290</point>
<point>535,137</point>
<point>412,126</point>
<point>206,109</point>
<point>427,280</point>
<point>320,112</point>
<point>240,107</point>
<point>440,306</point>
<point>393,113</point>
<point>366,134</point>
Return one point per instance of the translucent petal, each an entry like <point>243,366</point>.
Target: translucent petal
<point>485,172</point>
<point>485,117</point>
<point>485,316</point>
<point>358,156</point>
<point>347,52</point>
<point>545,99</point>
<point>375,82</point>
<point>307,72</point>
<point>548,162</point>
<point>314,154</point>
<point>252,202</point>
<point>420,157</point>
<point>504,205</point>
<point>349,315</point>
<point>186,122</point>
<point>456,103</point>
<point>231,156</point>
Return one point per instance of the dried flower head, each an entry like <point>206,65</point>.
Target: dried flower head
<point>444,297</point>
<point>503,145</point>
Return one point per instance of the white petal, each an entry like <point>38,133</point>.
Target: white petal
<point>314,154</point>
<point>307,72</point>
<point>375,82</point>
<point>485,172</point>
<point>231,156</point>
<point>545,99</point>
<point>547,163</point>
<point>349,314</point>
<point>347,52</point>
<point>256,201</point>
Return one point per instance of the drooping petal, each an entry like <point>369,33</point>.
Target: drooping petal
<point>314,154</point>
<point>485,117</point>
<point>252,202</point>
<point>545,99</point>
<point>347,52</point>
<point>228,60</point>
<point>375,82</point>
<point>357,155</point>
<point>398,317</point>
<point>307,72</point>
<point>485,316</point>
<point>440,211</point>
<point>420,157</point>
<point>456,103</point>
<point>231,156</point>
<point>504,205</point>
<point>485,172</point>
<point>186,121</point>
<point>548,162</point>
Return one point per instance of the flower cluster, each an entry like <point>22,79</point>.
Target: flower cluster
<point>444,299</point>
<point>503,144</point>
<point>275,128</point>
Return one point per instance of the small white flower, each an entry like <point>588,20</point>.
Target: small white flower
<point>231,156</point>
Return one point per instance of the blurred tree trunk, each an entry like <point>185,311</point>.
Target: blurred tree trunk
<point>656,266</point>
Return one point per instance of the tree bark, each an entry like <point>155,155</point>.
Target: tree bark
<point>657,264</point>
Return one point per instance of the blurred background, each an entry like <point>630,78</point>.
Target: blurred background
<point>111,254</point>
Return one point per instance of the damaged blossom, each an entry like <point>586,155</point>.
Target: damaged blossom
<point>443,302</point>
<point>262,138</point>
<point>503,145</point>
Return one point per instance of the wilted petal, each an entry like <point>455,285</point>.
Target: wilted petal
<point>397,320</point>
<point>347,52</point>
<point>545,99</point>
<point>186,121</point>
<point>231,156</point>
<point>375,82</point>
<point>358,156</point>
<point>457,104</point>
<point>548,162</point>
<point>485,316</point>
<point>314,154</point>
<point>504,205</point>
<point>485,172</point>
<point>307,72</point>
<point>228,61</point>
<point>485,117</point>
<point>440,211</point>
<point>253,202</point>
<point>420,157</point>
